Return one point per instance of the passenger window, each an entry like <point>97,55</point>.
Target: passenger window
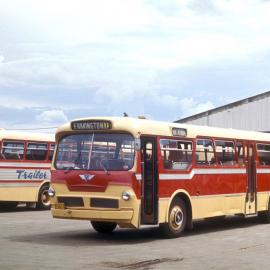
<point>176,155</point>
<point>12,150</point>
<point>225,153</point>
<point>240,153</point>
<point>51,150</point>
<point>205,152</point>
<point>36,151</point>
<point>264,154</point>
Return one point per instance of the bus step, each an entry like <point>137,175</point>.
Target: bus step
<point>251,215</point>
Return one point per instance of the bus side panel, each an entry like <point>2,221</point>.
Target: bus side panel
<point>263,188</point>
<point>22,184</point>
<point>212,194</point>
<point>19,194</point>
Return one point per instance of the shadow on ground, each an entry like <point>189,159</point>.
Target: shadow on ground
<point>20,208</point>
<point>130,236</point>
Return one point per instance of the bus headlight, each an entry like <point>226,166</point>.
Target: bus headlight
<point>126,195</point>
<point>51,192</point>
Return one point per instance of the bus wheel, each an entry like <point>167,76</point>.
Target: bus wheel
<point>103,227</point>
<point>43,199</point>
<point>177,220</point>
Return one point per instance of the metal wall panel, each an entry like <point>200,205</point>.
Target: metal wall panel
<point>253,115</point>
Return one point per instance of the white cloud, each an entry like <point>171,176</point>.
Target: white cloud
<point>145,57</point>
<point>52,116</point>
<point>189,106</point>
<point>180,107</point>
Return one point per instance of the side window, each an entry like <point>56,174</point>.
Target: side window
<point>264,154</point>
<point>36,151</point>
<point>51,150</point>
<point>225,153</point>
<point>12,150</point>
<point>176,155</point>
<point>205,152</point>
<point>240,153</point>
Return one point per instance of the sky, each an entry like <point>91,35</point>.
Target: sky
<point>164,59</point>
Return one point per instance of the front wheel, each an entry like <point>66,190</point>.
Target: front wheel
<point>103,227</point>
<point>177,220</point>
<point>43,199</point>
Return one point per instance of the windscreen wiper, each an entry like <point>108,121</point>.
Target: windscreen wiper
<point>104,168</point>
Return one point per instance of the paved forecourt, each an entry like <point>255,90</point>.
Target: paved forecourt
<point>33,240</point>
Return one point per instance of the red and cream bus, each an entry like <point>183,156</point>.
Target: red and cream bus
<point>132,172</point>
<point>25,160</point>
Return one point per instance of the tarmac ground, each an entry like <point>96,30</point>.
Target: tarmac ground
<point>31,239</point>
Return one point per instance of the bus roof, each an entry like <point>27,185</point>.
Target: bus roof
<point>137,126</point>
<point>29,136</point>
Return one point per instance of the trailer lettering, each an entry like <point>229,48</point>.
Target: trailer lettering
<point>26,174</point>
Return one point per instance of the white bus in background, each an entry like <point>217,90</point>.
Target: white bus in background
<point>25,160</point>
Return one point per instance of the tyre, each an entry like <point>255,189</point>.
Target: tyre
<point>177,220</point>
<point>43,199</point>
<point>103,227</point>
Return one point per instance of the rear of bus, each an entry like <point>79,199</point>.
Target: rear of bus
<point>94,174</point>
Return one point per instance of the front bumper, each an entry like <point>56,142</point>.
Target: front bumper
<point>105,215</point>
<point>126,214</point>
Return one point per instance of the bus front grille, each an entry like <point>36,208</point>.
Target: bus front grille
<point>104,203</point>
<point>71,201</point>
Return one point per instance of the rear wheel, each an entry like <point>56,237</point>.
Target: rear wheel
<point>43,199</point>
<point>103,227</point>
<point>177,220</point>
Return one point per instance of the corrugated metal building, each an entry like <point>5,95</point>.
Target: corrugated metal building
<point>252,113</point>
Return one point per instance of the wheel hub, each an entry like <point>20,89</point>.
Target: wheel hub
<point>45,198</point>
<point>176,218</point>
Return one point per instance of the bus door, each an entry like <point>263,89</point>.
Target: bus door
<point>149,198</point>
<point>251,181</point>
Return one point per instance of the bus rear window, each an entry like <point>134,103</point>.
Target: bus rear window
<point>99,151</point>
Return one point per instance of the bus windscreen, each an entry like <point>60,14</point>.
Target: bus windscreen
<point>96,151</point>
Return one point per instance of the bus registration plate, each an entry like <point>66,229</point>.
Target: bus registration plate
<point>59,206</point>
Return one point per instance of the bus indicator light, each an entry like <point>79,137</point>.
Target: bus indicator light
<point>126,195</point>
